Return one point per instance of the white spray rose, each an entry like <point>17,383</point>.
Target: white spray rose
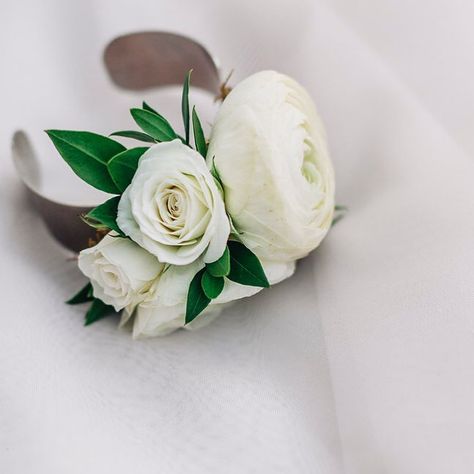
<point>269,147</point>
<point>120,271</point>
<point>173,207</point>
<point>164,309</point>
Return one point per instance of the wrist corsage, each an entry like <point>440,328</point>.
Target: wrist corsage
<point>194,224</point>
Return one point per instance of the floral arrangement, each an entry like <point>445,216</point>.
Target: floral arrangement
<point>190,229</point>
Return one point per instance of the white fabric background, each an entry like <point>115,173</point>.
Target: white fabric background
<point>363,362</point>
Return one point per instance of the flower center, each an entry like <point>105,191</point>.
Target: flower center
<point>174,203</point>
<point>171,205</point>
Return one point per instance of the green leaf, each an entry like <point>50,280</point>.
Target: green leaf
<point>154,125</point>
<point>145,106</point>
<point>87,154</point>
<point>215,175</point>
<point>341,210</point>
<point>143,137</point>
<point>106,214</point>
<point>82,296</point>
<point>214,171</point>
<point>211,285</point>
<point>199,139</point>
<point>122,167</point>
<point>185,105</point>
<point>220,267</point>
<point>245,267</point>
<point>233,230</point>
<point>197,301</point>
<point>98,310</point>
<point>336,219</point>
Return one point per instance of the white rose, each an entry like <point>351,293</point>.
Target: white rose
<point>269,147</point>
<point>173,207</point>
<point>164,309</point>
<point>120,271</point>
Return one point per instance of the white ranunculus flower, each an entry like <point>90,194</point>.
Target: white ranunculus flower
<point>164,310</point>
<point>121,272</point>
<point>173,207</point>
<point>269,147</point>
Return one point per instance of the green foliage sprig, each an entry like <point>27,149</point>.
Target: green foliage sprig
<point>237,263</point>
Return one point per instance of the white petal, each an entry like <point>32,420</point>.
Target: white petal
<point>154,321</point>
<point>270,150</point>
<point>173,285</point>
